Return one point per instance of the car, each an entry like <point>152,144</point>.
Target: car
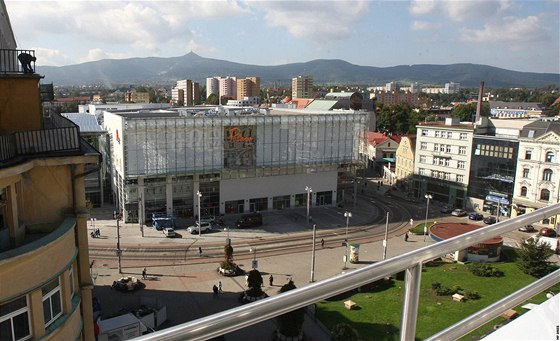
<point>208,218</point>
<point>527,228</point>
<point>475,216</point>
<point>459,212</point>
<point>547,232</point>
<point>489,220</point>
<point>205,226</point>
<point>169,232</point>
<point>249,220</point>
<point>446,209</point>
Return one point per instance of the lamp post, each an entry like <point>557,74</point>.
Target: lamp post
<point>386,236</point>
<point>254,251</point>
<point>228,241</point>
<point>309,190</point>
<point>199,195</point>
<point>313,257</point>
<point>347,215</point>
<point>428,197</point>
<point>119,244</point>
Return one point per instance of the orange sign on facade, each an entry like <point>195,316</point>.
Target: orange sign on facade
<point>237,135</point>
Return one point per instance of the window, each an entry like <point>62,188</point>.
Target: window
<point>438,133</point>
<point>442,148</point>
<point>423,146</point>
<point>447,176</point>
<point>448,148</point>
<point>460,178</point>
<point>463,136</point>
<point>441,161</point>
<point>463,150</point>
<point>526,172</point>
<point>461,164</point>
<point>422,158</point>
<point>422,171</point>
<point>528,153</point>
<point>547,175</point>
<point>523,191</point>
<point>424,132</point>
<point>14,320</point>
<point>545,195</point>
<point>52,305</point>
<point>436,147</point>
<point>449,135</point>
<point>447,162</point>
<point>549,157</point>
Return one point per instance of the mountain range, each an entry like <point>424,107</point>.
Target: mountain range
<point>166,71</point>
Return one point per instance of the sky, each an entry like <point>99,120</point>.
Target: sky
<point>510,34</point>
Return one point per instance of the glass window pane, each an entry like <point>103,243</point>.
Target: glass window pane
<point>21,326</point>
<point>56,308</point>
<point>47,310</point>
<point>6,330</point>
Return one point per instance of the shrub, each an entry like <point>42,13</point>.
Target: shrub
<point>484,270</point>
<point>444,291</point>
<point>436,285</point>
<point>472,295</point>
<point>457,289</point>
<point>344,332</point>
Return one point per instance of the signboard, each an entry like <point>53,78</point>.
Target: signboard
<point>239,146</point>
<point>494,198</point>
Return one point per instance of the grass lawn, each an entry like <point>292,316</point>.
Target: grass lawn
<point>378,315</point>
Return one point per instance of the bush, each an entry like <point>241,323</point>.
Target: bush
<point>472,295</point>
<point>484,270</point>
<point>436,285</point>
<point>344,332</point>
<point>457,289</point>
<point>444,291</point>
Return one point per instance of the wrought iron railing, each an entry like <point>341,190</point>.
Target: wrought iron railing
<point>64,136</point>
<point>9,62</point>
<point>411,263</point>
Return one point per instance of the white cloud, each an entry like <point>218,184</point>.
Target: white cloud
<point>517,30</point>
<point>51,57</point>
<point>462,10</point>
<point>418,25</point>
<point>418,7</point>
<point>98,54</point>
<point>312,20</point>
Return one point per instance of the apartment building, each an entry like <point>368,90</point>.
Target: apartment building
<point>248,87</point>
<point>137,97</point>
<point>537,177</point>
<point>442,161</point>
<point>302,87</point>
<point>404,163</point>
<point>212,86</point>
<point>186,92</point>
<point>519,110</point>
<point>228,88</point>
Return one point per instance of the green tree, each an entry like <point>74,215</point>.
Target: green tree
<point>290,325</point>
<point>466,112</point>
<point>394,119</point>
<point>212,99</point>
<point>533,258</point>
<point>344,332</point>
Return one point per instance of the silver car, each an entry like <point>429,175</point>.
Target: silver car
<point>205,226</point>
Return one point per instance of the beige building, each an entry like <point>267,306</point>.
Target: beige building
<point>302,87</point>
<point>137,97</point>
<point>248,87</point>
<point>404,165</point>
<point>45,283</point>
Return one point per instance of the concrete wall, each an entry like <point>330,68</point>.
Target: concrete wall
<point>20,103</point>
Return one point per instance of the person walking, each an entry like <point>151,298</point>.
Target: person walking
<point>220,286</point>
<point>406,236</point>
<point>144,273</point>
<point>215,290</point>
<point>322,242</point>
<point>270,280</point>
<point>199,251</point>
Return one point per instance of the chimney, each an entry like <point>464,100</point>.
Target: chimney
<point>479,102</point>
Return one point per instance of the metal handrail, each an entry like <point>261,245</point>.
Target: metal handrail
<point>9,62</point>
<point>411,262</point>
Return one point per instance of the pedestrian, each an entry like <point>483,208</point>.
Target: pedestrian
<point>114,214</point>
<point>406,236</point>
<point>25,59</point>
<point>98,232</point>
<point>220,286</point>
<point>270,280</point>
<point>215,290</point>
<point>322,242</point>
<point>144,273</point>
<point>199,251</point>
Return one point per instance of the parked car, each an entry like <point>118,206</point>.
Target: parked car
<point>208,218</point>
<point>475,216</point>
<point>169,232</point>
<point>205,226</point>
<point>527,228</point>
<point>249,220</point>
<point>548,232</point>
<point>459,212</point>
<point>490,220</point>
<point>446,209</point>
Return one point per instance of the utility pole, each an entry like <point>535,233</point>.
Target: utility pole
<point>119,243</point>
<point>313,256</point>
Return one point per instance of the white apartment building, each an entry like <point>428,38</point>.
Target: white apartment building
<point>442,161</point>
<point>212,86</point>
<point>451,88</point>
<point>537,179</point>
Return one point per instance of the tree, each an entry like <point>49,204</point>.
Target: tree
<point>533,258</point>
<point>394,119</point>
<point>467,112</point>
<point>212,99</point>
<point>255,292</point>
<point>344,332</point>
<point>290,325</point>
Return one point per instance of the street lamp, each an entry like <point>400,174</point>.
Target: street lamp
<point>228,241</point>
<point>347,215</point>
<point>428,197</point>
<point>254,251</point>
<point>313,256</point>
<point>309,190</point>
<point>199,195</point>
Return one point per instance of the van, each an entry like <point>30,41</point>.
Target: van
<point>249,220</point>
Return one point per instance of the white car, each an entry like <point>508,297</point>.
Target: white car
<point>169,232</point>
<point>459,212</point>
<point>205,226</point>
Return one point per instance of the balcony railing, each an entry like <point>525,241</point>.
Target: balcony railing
<point>411,262</point>
<point>9,62</point>
<point>64,136</point>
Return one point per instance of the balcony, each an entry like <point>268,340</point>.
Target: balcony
<point>411,263</point>
<point>9,63</point>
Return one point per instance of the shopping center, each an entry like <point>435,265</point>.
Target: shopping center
<point>232,160</point>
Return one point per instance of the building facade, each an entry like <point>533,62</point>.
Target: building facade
<point>240,161</point>
<point>537,178</point>
<point>45,283</point>
<point>404,165</point>
<point>248,87</point>
<point>212,86</point>
<point>137,97</point>
<point>442,161</point>
<point>302,87</point>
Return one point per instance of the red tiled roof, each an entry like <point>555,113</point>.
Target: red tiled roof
<point>450,230</point>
